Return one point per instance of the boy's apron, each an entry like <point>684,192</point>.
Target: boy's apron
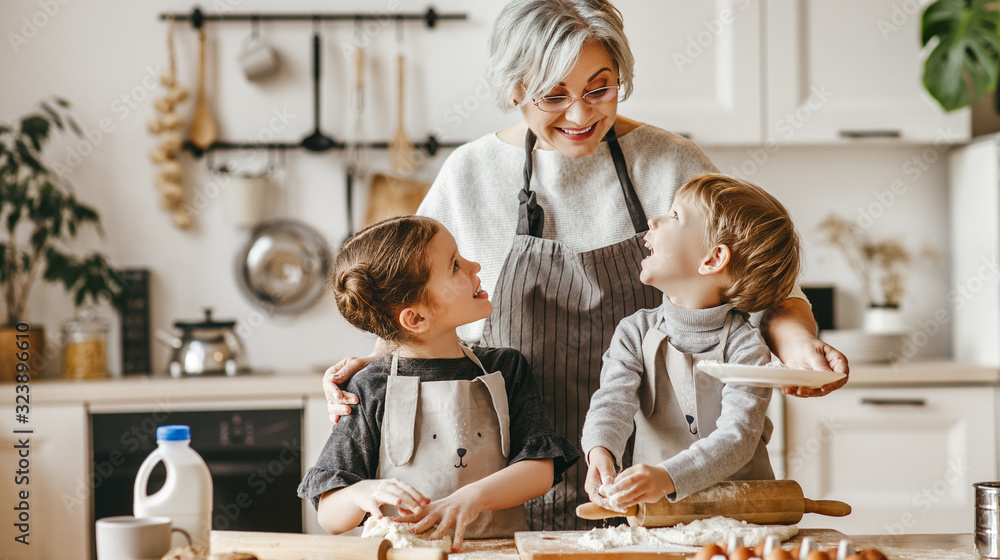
<point>560,308</point>
<point>666,426</point>
<point>438,436</point>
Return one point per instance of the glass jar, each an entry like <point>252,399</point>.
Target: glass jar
<point>85,347</point>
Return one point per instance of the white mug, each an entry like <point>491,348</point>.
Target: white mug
<point>134,538</point>
<point>257,58</point>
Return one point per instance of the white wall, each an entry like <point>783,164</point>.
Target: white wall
<point>98,55</point>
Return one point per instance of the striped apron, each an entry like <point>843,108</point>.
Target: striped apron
<point>560,308</point>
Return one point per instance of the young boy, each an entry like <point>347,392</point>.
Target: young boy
<point>726,248</point>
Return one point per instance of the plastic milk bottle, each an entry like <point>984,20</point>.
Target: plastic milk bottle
<point>186,496</point>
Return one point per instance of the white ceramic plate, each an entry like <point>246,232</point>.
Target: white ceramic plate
<point>768,376</point>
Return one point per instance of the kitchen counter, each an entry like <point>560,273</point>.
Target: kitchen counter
<point>895,547</point>
<point>926,372</point>
<point>142,388</point>
<point>157,388</point>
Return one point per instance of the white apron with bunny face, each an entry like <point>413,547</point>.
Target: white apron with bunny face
<point>438,436</point>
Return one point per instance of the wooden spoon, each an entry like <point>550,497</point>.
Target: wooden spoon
<point>400,147</point>
<point>202,131</point>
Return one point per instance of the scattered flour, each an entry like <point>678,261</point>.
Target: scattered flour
<point>696,533</point>
<point>400,536</point>
<point>616,537</point>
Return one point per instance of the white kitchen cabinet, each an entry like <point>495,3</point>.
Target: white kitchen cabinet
<point>903,457</point>
<point>850,69</point>
<point>58,483</point>
<point>697,68</point>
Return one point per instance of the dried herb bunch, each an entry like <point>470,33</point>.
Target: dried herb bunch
<point>879,264</point>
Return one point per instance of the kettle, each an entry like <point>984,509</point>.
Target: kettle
<point>207,347</point>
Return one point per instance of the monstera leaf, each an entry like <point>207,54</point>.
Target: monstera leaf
<point>964,63</point>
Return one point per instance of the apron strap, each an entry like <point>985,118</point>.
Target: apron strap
<point>726,327</point>
<point>651,355</point>
<point>401,396</point>
<point>498,394</point>
<point>639,221</point>
<point>530,216</point>
<point>679,367</point>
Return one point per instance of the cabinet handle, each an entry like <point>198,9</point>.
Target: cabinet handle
<point>870,134</point>
<point>894,402</point>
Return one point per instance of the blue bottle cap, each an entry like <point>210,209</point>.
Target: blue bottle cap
<point>173,433</point>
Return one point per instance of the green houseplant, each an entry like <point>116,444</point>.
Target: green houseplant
<point>39,217</point>
<point>964,64</point>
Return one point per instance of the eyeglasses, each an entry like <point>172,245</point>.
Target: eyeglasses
<point>559,103</point>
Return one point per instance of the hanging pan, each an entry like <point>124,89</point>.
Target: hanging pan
<point>283,266</point>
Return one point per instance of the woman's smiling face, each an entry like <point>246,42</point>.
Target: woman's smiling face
<point>578,130</point>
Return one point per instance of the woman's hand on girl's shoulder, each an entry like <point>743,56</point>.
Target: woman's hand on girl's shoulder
<point>338,401</point>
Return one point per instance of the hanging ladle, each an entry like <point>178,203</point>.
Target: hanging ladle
<point>317,141</point>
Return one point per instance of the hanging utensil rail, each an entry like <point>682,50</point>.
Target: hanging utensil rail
<point>199,18</point>
<point>431,145</point>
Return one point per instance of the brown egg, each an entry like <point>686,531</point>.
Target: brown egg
<point>758,550</point>
<point>741,553</point>
<point>708,551</point>
<point>817,555</point>
<point>794,553</point>
<point>872,554</point>
<point>853,557</point>
<point>780,554</point>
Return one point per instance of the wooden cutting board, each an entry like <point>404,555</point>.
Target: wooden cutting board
<point>562,545</point>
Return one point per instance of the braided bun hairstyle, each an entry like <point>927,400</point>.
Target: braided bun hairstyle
<point>380,271</point>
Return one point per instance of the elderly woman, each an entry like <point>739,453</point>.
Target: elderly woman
<point>554,208</point>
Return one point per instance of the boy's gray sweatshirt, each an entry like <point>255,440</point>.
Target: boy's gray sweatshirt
<point>720,452</point>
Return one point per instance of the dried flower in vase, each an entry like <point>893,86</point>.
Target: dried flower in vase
<point>879,264</point>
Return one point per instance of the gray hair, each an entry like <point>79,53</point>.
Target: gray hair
<point>536,43</point>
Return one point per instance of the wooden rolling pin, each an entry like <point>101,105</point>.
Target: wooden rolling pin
<point>765,502</point>
<point>293,546</point>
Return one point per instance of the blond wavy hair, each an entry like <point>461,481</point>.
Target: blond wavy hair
<point>763,244</point>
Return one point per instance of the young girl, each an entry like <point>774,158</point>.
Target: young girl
<point>450,437</point>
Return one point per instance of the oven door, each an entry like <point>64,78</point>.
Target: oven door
<point>253,450</point>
